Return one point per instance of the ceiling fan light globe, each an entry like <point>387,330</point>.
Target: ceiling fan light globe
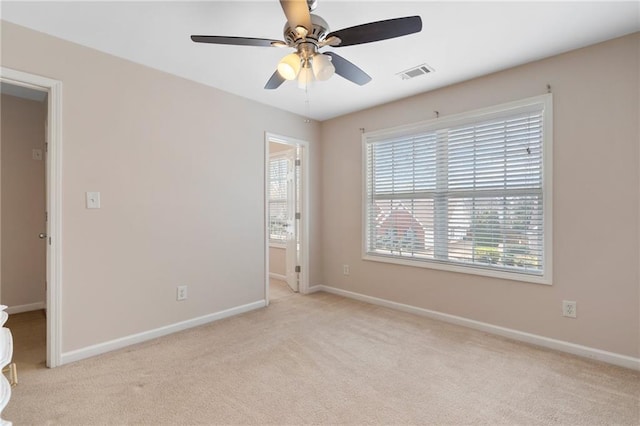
<point>301,31</point>
<point>289,66</point>
<point>323,69</point>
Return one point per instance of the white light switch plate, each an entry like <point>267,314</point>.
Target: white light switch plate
<point>93,200</point>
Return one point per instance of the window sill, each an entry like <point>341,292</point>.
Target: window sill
<point>513,276</point>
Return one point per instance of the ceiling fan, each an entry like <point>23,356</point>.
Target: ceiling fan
<point>308,33</point>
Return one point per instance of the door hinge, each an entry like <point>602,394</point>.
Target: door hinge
<point>46,216</point>
<point>298,268</point>
<point>297,215</point>
<point>46,147</point>
<point>297,161</point>
<point>49,240</point>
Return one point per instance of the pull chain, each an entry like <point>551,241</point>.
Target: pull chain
<point>307,104</point>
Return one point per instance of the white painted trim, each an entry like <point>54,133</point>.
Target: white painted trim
<point>17,309</point>
<point>278,276</point>
<point>267,235</point>
<point>54,202</point>
<point>547,186</point>
<point>316,288</point>
<point>560,345</point>
<point>461,269</point>
<point>133,339</point>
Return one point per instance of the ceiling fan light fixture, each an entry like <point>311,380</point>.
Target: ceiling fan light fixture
<point>307,33</point>
<point>323,69</point>
<point>289,66</point>
<point>305,78</point>
<point>301,31</point>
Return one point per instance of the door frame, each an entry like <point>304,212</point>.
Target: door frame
<point>53,203</point>
<point>304,207</point>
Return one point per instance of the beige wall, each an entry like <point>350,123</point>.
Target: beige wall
<point>22,275</point>
<point>180,168</point>
<point>278,147</point>
<point>595,203</point>
<point>278,260</point>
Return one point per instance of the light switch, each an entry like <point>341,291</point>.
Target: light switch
<point>93,200</point>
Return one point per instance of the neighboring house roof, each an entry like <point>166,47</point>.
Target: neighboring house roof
<point>400,225</point>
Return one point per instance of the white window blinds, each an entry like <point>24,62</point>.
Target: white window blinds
<point>467,191</point>
<point>278,202</point>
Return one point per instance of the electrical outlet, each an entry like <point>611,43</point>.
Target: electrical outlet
<point>345,270</point>
<point>181,293</point>
<point>569,309</point>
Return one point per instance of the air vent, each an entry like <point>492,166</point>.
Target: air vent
<point>415,71</point>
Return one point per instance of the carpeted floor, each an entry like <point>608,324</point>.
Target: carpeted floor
<point>323,359</point>
<point>278,289</point>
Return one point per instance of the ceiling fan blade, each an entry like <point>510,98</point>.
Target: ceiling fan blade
<point>237,41</point>
<point>297,13</point>
<point>274,82</point>
<point>348,70</point>
<point>376,31</point>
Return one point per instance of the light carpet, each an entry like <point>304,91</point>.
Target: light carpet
<point>324,359</point>
<point>279,289</point>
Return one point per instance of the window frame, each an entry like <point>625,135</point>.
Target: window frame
<point>474,116</point>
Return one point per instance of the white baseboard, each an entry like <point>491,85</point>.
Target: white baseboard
<point>560,345</point>
<point>133,339</point>
<point>277,276</point>
<point>316,288</point>
<point>17,309</point>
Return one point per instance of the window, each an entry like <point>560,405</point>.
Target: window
<point>279,165</point>
<point>470,193</point>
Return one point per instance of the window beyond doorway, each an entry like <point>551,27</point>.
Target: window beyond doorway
<point>279,168</point>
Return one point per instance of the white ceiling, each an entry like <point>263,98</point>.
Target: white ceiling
<point>459,40</point>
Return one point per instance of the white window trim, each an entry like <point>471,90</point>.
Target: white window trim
<point>547,187</point>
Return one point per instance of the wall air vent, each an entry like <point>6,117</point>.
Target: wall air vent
<point>416,71</point>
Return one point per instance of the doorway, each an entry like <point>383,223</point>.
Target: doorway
<point>286,238</point>
<point>33,244</point>
<point>22,199</point>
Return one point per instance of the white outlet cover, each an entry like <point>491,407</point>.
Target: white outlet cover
<point>569,308</point>
<point>93,200</point>
<point>182,293</point>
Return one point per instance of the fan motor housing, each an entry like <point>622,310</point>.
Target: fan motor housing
<point>318,32</point>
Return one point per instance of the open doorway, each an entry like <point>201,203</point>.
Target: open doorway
<point>23,218</point>
<point>30,183</point>
<point>23,239</point>
<point>22,198</point>
<point>286,214</point>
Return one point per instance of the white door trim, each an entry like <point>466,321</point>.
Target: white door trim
<point>304,206</point>
<point>54,202</point>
